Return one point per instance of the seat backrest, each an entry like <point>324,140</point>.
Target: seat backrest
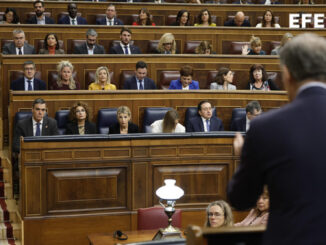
<point>151,114</point>
<point>14,75</point>
<point>90,78</point>
<point>22,115</point>
<point>74,43</point>
<point>193,112</point>
<point>190,47</point>
<point>155,218</point>
<point>124,75</point>
<point>236,47</point>
<point>237,113</point>
<point>105,118</point>
<point>211,76</point>
<point>62,117</point>
<point>166,77</point>
<point>152,46</point>
<point>170,19</point>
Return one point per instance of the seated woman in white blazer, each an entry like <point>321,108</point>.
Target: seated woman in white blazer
<point>169,124</point>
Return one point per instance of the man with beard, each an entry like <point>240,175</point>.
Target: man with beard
<point>90,46</point>
<point>72,18</point>
<point>125,47</point>
<point>39,17</point>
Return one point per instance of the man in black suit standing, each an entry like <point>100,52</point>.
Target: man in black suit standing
<point>72,18</point>
<point>140,81</point>
<point>90,46</point>
<point>285,150</point>
<point>18,46</point>
<point>111,17</point>
<point>124,46</point>
<point>39,17</point>
<point>28,82</point>
<point>253,109</point>
<point>239,20</point>
<point>205,121</point>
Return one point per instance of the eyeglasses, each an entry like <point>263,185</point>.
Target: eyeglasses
<point>215,214</point>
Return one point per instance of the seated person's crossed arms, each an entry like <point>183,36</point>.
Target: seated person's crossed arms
<point>169,124</point>
<point>185,82</point>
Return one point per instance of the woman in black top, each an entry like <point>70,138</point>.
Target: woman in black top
<point>124,125</point>
<point>182,19</point>
<point>259,79</point>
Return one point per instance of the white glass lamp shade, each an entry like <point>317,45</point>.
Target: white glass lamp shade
<point>169,191</point>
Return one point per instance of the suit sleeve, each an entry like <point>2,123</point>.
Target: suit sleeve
<point>172,85</point>
<point>189,127</point>
<point>42,85</point>
<point>113,51</point>
<point>221,128</point>
<point>126,84</point>
<point>17,134</point>
<point>53,127</point>
<point>77,50</point>
<point>152,84</point>
<point>5,49</point>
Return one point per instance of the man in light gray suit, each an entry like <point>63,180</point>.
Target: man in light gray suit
<point>90,46</point>
<point>19,46</point>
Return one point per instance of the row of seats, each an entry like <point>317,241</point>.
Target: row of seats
<point>108,116</point>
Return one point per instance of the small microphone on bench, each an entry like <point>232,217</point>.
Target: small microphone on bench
<point>120,235</point>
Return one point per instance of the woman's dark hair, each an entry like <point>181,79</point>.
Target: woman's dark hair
<point>264,21</point>
<point>149,17</point>
<point>223,71</point>
<point>201,14</point>
<point>16,17</point>
<point>186,71</point>
<point>203,46</point>
<point>169,121</point>
<point>179,15</point>
<point>257,67</point>
<point>72,113</point>
<point>46,41</point>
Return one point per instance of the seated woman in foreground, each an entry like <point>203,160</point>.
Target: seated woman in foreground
<point>124,125</point>
<point>102,80</point>
<point>259,214</point>
<point>185,82</point>
<point>219,214</point>
<point>65,79</point>
<point>51,45</point>
<point>169,124</point>
<point>223,80</point>
<point>79,123</point>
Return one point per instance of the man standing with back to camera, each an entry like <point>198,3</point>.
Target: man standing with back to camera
<point>285,149</point>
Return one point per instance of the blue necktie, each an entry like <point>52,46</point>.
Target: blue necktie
<point>29,85</point>
<point>38,129</point>
<point>207,125</point>
<point>141,87</point>
<point>126,50</point>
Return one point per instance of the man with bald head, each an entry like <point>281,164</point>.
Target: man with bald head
<point>239,20</point>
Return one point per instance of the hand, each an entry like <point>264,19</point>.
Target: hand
<point>238,144</point>
<point>245,50</point>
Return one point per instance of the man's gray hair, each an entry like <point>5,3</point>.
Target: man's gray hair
<point>18,31</point>
<point>305,57</point>
<point>253,105</point>
<point>91,32</point>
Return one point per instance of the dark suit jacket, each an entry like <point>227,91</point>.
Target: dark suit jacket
<point>33,20</point>
<point>232,23</point>
<point>239,124</point>
<point>131,83</point>
<point>115,128</point>
<point>66,20</point>
<point>102,21</point>
<point>195,124</point>
<point>72,128</point>
<point>25,128</point>
<point>82,49</point>
<point>19,84</point>
<point>118,50</point>
<point>285,149</point>
<point>10,48</point>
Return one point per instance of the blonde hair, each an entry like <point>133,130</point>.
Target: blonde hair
<point>228,216</point>
<point>167,38</point>
<point>124,110</point>
<point>62,64</point>
<point>286,38</point>
<point>108,81</point>
<point>255,42</point>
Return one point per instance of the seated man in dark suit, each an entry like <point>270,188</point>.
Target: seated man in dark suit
<point>239,20</point>
<point>253,109</point>
<point>140,81</point>
<point>125,47</point>
<point>110,19</point>
<point>39,17</point>
<point>28,82</point>
<point>72,18</point>
<point>90,46</point>
<point>19,46</point>
<point>37,125</point>
<point>205,121</point>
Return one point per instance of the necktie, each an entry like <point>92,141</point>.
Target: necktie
<point>126,50</point>
<point>38,129</point>
<point>111,24</point>
<point>29,85</point>
<point>207,125</point>
<point>141,87</point>
<point>20,51</point>
<point>73,22</point>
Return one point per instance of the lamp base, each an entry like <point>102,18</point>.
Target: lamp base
<point>167,234</point>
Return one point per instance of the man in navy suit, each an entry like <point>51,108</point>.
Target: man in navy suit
<point>239,20</point>
<point>124,46</point>
<point>253,109</point>
<point>285,150</point>
<point>110,19</point>
<point>18,46</point>
<point>72,18</point>
<point>28,82</point>
<point>205,121</point>
<point>90,46</point>
<point>39,17</point>
<point>139,81</point>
